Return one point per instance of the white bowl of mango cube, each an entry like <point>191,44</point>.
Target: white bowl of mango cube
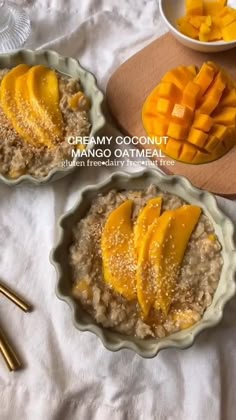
<point>214,11</point>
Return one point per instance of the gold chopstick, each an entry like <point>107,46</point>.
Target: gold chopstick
<point>9,355</point>
<point>15,298</point>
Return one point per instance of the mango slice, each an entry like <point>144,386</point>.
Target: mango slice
<point>208,20</point>
<point>43,89</point>
<point>8,103</point>
<point>161,256</point>
<point>189,114</point>
<point>34,134</point>
<point>30,99</point>
<point>118,255</point>
<point>146,271</point>
<point>148,215</point>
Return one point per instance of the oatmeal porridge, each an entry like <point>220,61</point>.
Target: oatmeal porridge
<point>157,271</point>
<point>39,110</point>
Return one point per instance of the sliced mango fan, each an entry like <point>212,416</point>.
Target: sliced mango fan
<point>142,261</point>
<point>195,110</point>
<point>30,99</point>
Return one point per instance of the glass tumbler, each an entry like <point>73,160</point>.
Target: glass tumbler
<point>14,26</point>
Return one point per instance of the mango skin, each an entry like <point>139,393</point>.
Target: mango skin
<point>203,101</point>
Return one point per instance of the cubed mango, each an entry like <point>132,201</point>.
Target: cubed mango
<point>177,131</point>
<point>173,148</point>
<point>205,77</point>
<point>188,152</point>
<point>213,7</point>
<point>229,32</point>
<point>169,90</point>
<point>227,20</point>
<point>229,98</point>
<point>179,76</point>
<point>194,7</point>
<point>225,116</point>
<point>219,131</point>
<point>203,122</point>
<point>164,106</point>
<point>181,114</point>
<point>191,94</point>
<point>197,137</point>
<point>210,102</point>
<point>211,143</point>
<point>196,21</point>
<point>194,123</point>
<point>160,126</point>
<point>193,70</point>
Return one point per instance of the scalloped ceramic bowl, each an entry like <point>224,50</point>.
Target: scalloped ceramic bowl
<point>71,67</point>
<point>176,185</point>
<point>171,10</point>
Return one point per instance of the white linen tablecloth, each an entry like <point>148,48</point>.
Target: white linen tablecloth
<point>68,374</point>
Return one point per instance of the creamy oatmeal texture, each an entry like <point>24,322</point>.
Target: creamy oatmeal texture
<point>197,281</point>
<point>18,157</point>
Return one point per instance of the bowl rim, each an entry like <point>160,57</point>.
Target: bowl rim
<point>49,56</point>
<point>149,348</point>
<point>187,38</point>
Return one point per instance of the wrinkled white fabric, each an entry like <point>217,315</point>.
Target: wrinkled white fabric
<point>68,375</point>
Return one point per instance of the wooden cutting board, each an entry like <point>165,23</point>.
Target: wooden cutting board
<point>134,80</point>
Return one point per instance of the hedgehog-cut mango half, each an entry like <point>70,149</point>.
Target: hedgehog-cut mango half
<point>196,111</point>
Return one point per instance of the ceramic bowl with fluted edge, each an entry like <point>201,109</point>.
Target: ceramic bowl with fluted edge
<point>70,67</point>
<point>181,187</point>
<point>171,11</point>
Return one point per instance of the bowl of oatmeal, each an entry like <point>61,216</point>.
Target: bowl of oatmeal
<point>146,261</point>
<point>50,107</point>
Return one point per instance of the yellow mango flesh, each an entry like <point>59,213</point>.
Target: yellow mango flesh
<point>189,117</point>
<point>208,21</point>
<point>146,217</point>
<point>194,7</point>
<point>185,318</point>
<point>34,134</point>
<point>146,275</point>
<point>213,7</point>
<point>118,254</point>
<point>43,89</point>
<point>8,103</point>
<point>229,32</point>
<point>161,256</point>
<point>30,99</point>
